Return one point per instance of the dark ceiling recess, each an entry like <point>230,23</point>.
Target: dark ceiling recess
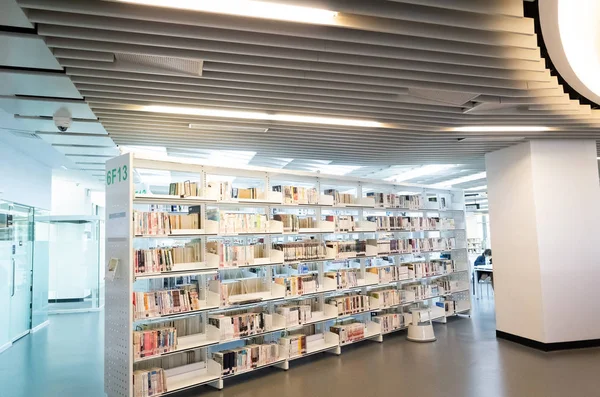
<point>532,11</point>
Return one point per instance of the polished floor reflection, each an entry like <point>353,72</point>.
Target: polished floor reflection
<point>65,360</point>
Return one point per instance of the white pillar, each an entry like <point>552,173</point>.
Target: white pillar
<point>544,203</point>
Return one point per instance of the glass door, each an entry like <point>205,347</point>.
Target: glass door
<point>16,248</point>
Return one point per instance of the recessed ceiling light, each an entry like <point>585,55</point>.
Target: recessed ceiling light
<point>212,127</point>
<point>491,138</point>
<point>501,129</point>
<point>249,8</point>
<point>234,114</point>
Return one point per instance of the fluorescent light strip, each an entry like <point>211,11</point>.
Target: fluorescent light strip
<point>430,169</point>
<point>464,179</point>
<point>501,129</point>
<point>476,188</point>
<point>249,8</point>
<point>233,114</point>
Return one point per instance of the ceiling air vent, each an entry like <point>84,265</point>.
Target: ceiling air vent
<point>191,67</point>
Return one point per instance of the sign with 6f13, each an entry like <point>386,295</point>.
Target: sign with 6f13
<point>117,175</point>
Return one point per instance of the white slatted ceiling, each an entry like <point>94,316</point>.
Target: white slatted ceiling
<point>421,66</point>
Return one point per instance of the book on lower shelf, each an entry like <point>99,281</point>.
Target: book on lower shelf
<point>154,342</point>
<point>389,274</point>
<point>246,358</point>
<point>350,331</point>
<point>148,383</point>
<point>390,322</point>
<point>299,285</point>
<point>235,253</point>
<point>293,345</point>
<point>350,304</point>
<point>241,325</point>
<point>246,291</point>
<point>382,299</point>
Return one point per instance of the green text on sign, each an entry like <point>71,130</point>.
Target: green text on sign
<point>116,175</point>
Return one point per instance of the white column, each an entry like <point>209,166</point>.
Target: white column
<point>544,203</point>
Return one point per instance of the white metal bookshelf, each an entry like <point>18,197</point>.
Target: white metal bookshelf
<point>120,321</point>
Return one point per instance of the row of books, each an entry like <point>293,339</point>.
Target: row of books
<point>148,383</point>
<point>350,304</point>
<point>302,250</point>
<point>431,268</point>
<point>357,247</point>
<point>185,189</point>
<point>390,321</point>
<point>390,274</point>
<point>246,358</point>
<point>164,302</point>
<point>246,288</point>
<point>298,195</point>
<point>349,332</point>
<point>413,245</point>
<point>233,254</point>
<point>162,259</point>
<point>293,223</point>
<point>343,223</point>
<point>295,314</point>
<point>340,198</point>
<point>410,223</point>
<point>299,285</point>
<point>344,279</point>
<point>391,200</point>
<point>241,325</point>
<point>449,285</point>
<point>387,297</point>
<point>162,223</point>
<point>425,291</point>
<point>293,345</point>
<point>236,222</point>
<point>154,342</point>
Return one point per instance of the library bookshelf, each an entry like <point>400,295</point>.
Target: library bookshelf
<point>210,284</point>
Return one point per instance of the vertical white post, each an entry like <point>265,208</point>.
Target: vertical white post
<point>118,322</point>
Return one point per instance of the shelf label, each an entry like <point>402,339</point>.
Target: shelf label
<point>117,175</point>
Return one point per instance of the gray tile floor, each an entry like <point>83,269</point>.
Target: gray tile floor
<point>65,360</point>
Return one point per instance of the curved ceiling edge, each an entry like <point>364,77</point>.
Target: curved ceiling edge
<point>569,39</point>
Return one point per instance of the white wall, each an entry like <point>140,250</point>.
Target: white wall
<point>70,197</point>
<point>544,210</point>
<point>24,180</point>
<point>517,283</point>
<point>567,202</point>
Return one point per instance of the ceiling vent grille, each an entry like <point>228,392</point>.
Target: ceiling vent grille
<point>181,65</point>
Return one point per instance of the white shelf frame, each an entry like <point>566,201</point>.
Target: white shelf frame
<point>119,324</point>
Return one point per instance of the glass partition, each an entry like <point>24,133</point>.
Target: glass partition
<point>16,266</point>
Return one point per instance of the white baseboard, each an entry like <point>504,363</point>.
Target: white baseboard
<point>42,325</point>
<point>5,346</point>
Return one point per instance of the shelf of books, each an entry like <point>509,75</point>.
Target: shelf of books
<point>215,272</point>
